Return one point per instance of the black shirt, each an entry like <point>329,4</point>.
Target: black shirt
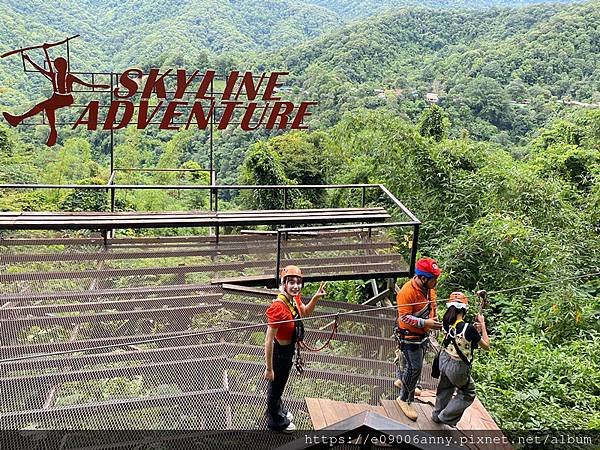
<point>471,335</point>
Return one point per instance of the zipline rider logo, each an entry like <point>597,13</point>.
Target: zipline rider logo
<point>242,98</point>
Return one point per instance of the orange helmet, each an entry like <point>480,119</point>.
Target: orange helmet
<point>458,300</point>
<point>290,271</point>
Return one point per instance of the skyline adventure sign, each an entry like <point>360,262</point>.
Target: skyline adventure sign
<point>241,93</point>
<point>172,99</point>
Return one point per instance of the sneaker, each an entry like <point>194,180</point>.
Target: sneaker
<point>407,409</point>
<point>290,428</point>
<point>289,416</point>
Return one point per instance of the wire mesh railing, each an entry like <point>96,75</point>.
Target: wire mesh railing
<point>146,348</point>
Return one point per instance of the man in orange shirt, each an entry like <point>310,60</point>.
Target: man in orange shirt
<point>417,314</point>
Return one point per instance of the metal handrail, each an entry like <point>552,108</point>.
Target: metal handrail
<point>214,190</point>
<point>187,186</point>
<point>415,223</point>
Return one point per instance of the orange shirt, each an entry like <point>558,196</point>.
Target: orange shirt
<point>410,300</point>
<point>277,312</point>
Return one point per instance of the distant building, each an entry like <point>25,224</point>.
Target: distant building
<point>380,93</point>
<point>432,97</point>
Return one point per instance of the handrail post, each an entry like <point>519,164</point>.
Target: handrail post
<point>364,197</point>
<point>278,258</point>
<point>413,250</point>
<point>113,199</point>
<point>216,195</point>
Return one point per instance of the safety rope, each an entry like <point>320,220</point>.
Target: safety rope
<point>305,346</point>
<point>198,333</point>
<point>261,325</point>
<point>558,280</point>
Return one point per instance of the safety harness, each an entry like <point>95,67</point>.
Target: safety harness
<point>403,335</point>
<point>299,334</point>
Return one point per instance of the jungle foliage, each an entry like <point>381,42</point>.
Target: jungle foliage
<point>503,174</point>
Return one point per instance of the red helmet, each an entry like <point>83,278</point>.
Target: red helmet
<point>427,267</point>
<point>290,271</point>
<point>458,300</point>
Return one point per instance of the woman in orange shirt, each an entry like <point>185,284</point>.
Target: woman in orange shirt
<point>280,341</point>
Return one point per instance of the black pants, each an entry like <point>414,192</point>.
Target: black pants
<point>282,364</point>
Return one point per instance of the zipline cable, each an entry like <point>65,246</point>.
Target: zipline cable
<point>558,280</point>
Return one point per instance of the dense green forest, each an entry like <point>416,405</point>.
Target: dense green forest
<point>469,59</point>
<point>495,223</point>
<point>503,174</point>
<point>353,9</point>
<point>499,73</point>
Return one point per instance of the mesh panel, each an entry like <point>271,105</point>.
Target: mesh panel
<point>135,318</point>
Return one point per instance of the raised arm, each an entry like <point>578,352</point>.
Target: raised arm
<point>40,69</point>
<point>48,60</point>
<point>484,343</point>
<point>306,310</point>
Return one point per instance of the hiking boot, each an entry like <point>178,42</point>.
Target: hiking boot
<point>444,425</point>
<point>398,384</point>
<point>407,409</point>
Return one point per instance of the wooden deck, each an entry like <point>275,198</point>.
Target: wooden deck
<point>325,412</point>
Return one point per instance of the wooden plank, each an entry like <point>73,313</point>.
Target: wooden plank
<point>329,411</point>
<point>356,408</point>
<point>119,217</point>
<point>177,312</point>
<point>326,265</point>
<point>394,412</point>
<point>124,242</point>
<point>476,417</point>
<point>110,293</point>
<point>315,412</point>
<point>169,353</point>
<point>94,214</point>
<point>107,221</point>
<point>424,421</point>
<point>342,410</point>
<point>119,305</point>
<point>192,217</point>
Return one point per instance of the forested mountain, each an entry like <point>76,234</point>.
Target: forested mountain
<point>468,58</point>
<point>499,73</point>
<point>114,36</point>
<point>350,9</point>
<point>504,174</point>
<point>141,31</point>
